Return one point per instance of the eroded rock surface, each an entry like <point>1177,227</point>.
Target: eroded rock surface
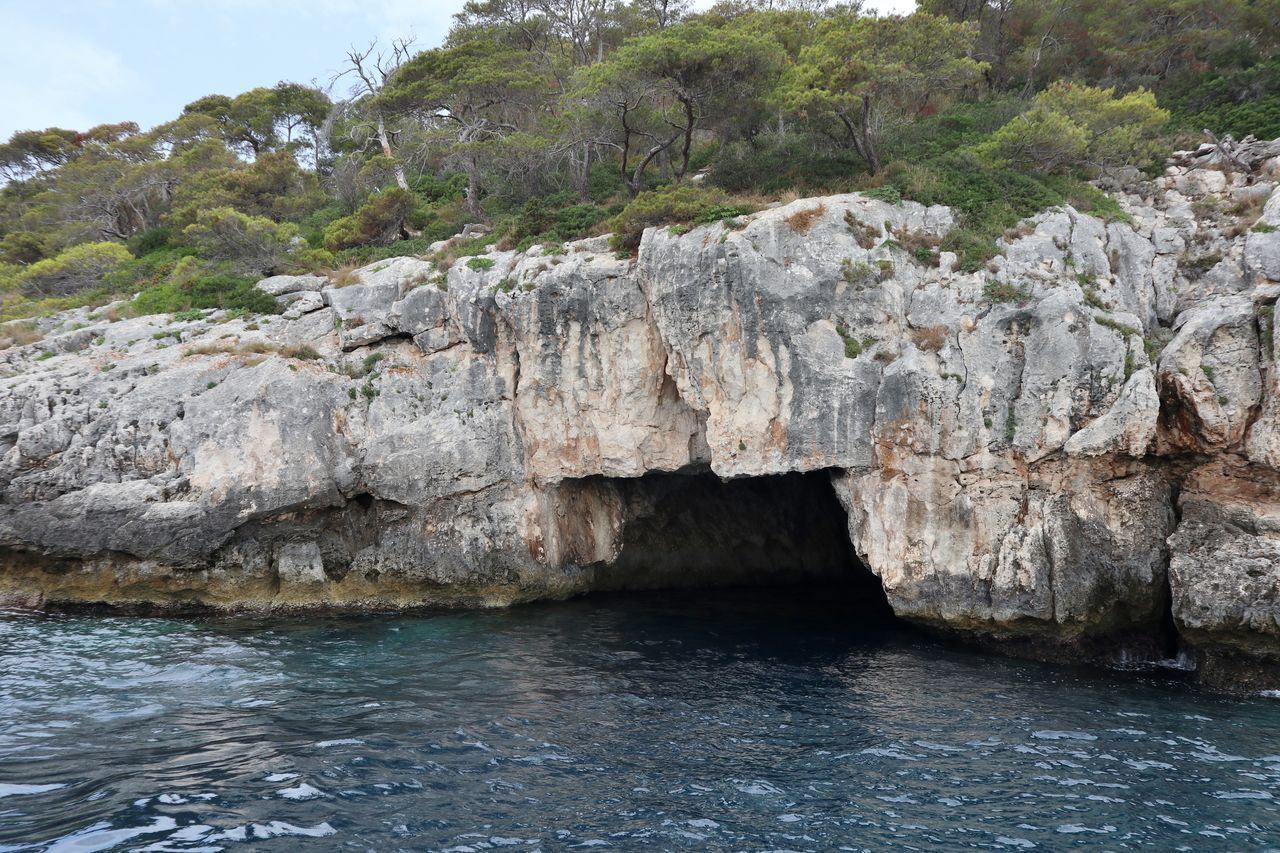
<point>1065,446</point>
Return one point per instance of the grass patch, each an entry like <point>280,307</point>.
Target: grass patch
<point>251,348</point>
<point>19,335</point>
<point>802,221</point>
<point>1115,325</point>
<point>1000,291</point>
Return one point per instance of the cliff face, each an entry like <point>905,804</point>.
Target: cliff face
<point>1059,450</point>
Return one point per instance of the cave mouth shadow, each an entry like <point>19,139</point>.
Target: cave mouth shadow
<point>787,533</point>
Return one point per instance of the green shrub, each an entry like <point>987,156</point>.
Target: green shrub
<point>1000,291</point>
<point>481,264</point>
<point>1071,126</point>
<point>680,203</point>
<point>379,221</point>
<point>251,244</point>
<point>772,163</point>
<point>1087,198</point>
<point>888,193</point>
<point>439,188</point>
<point>721,212</point>
<point>575,222</point>
<point>151,240</point>
<point>74,270</point>
<point>961,126</point>
<point>209,291</point>
<point>1115,325</point>
<point>972,248</point>
<point>988,200</point>
<point>1240,102</point>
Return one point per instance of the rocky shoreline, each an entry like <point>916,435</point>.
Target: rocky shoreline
<point>1072,450</point>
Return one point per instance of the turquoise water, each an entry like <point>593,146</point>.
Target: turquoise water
<point>699,721</point>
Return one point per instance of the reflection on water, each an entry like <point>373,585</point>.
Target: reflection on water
<point>697,721</point>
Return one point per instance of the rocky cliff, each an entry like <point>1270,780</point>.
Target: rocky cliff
<point>1076,448</point>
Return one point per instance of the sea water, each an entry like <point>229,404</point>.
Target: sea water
<point>696,720</point>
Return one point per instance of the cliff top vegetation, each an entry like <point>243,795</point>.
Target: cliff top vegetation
<point>548,120</point>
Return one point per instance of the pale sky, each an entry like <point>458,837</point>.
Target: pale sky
<point>78,63</point>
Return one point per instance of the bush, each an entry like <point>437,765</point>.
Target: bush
<point>1242,102</point>
<point>773,163</point>
<point>252,244</point>
<point>151,240</point>
<point>961,126</point>
<point>721,212</point>
<point>1072,127</point>
<point>74,270</point>
<point>378,222</point>
<point>987,199</point>
<point>1000,291</point>
<point>575,222</point>
<point>439,188</point>
<point>680,203</point>
<point>210,291</point>
<point>887,193</point>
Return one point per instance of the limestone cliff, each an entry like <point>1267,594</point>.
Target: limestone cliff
<point>1060,450</point>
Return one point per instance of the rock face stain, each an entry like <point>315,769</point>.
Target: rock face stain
<point>1077,465</point>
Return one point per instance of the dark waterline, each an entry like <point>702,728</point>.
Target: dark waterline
<point>735,721</point>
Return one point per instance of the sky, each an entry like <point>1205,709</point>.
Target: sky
<point>79,63</point>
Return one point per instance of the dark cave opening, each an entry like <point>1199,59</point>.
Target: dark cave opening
<point>785,532</point>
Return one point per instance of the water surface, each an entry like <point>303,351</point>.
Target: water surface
<point>694,721</point>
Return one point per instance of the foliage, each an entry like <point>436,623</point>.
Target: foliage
<point>1071,127</point>
<point>1003,291</point>
<point>888,193</point>
<point>252,244</point>
<point>209,291</point>
<point>862,74</point>
<point>76,269</point>
<point>680,203</point>
<point>1239,102</point>
<point>550,120</point>
<point>379,221</point>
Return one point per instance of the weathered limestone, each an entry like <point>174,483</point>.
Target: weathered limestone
<point>1016,454</point>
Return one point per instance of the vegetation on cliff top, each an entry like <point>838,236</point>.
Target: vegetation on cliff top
<point>555,119</point>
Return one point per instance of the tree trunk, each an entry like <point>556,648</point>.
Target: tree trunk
<point>868,140</point>
<point>401,180</point>
<point>473,191</point>
<point>688,137</point>
<point>584,177</point>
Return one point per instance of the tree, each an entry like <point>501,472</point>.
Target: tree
<point>379,222</point>
<point>372,69</point>
<point>662,13</point>
<point>867,72</point>
<point>659,90</point>
<point>472,94</point>
<point>30,152</point>
<point>299,110</point>
<point>262,119</point>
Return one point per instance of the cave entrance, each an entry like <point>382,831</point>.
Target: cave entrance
<point>696,530</point>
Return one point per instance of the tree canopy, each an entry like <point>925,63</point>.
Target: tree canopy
<point>554,119</point>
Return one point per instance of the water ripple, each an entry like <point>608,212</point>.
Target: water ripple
<point>721,722</point>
